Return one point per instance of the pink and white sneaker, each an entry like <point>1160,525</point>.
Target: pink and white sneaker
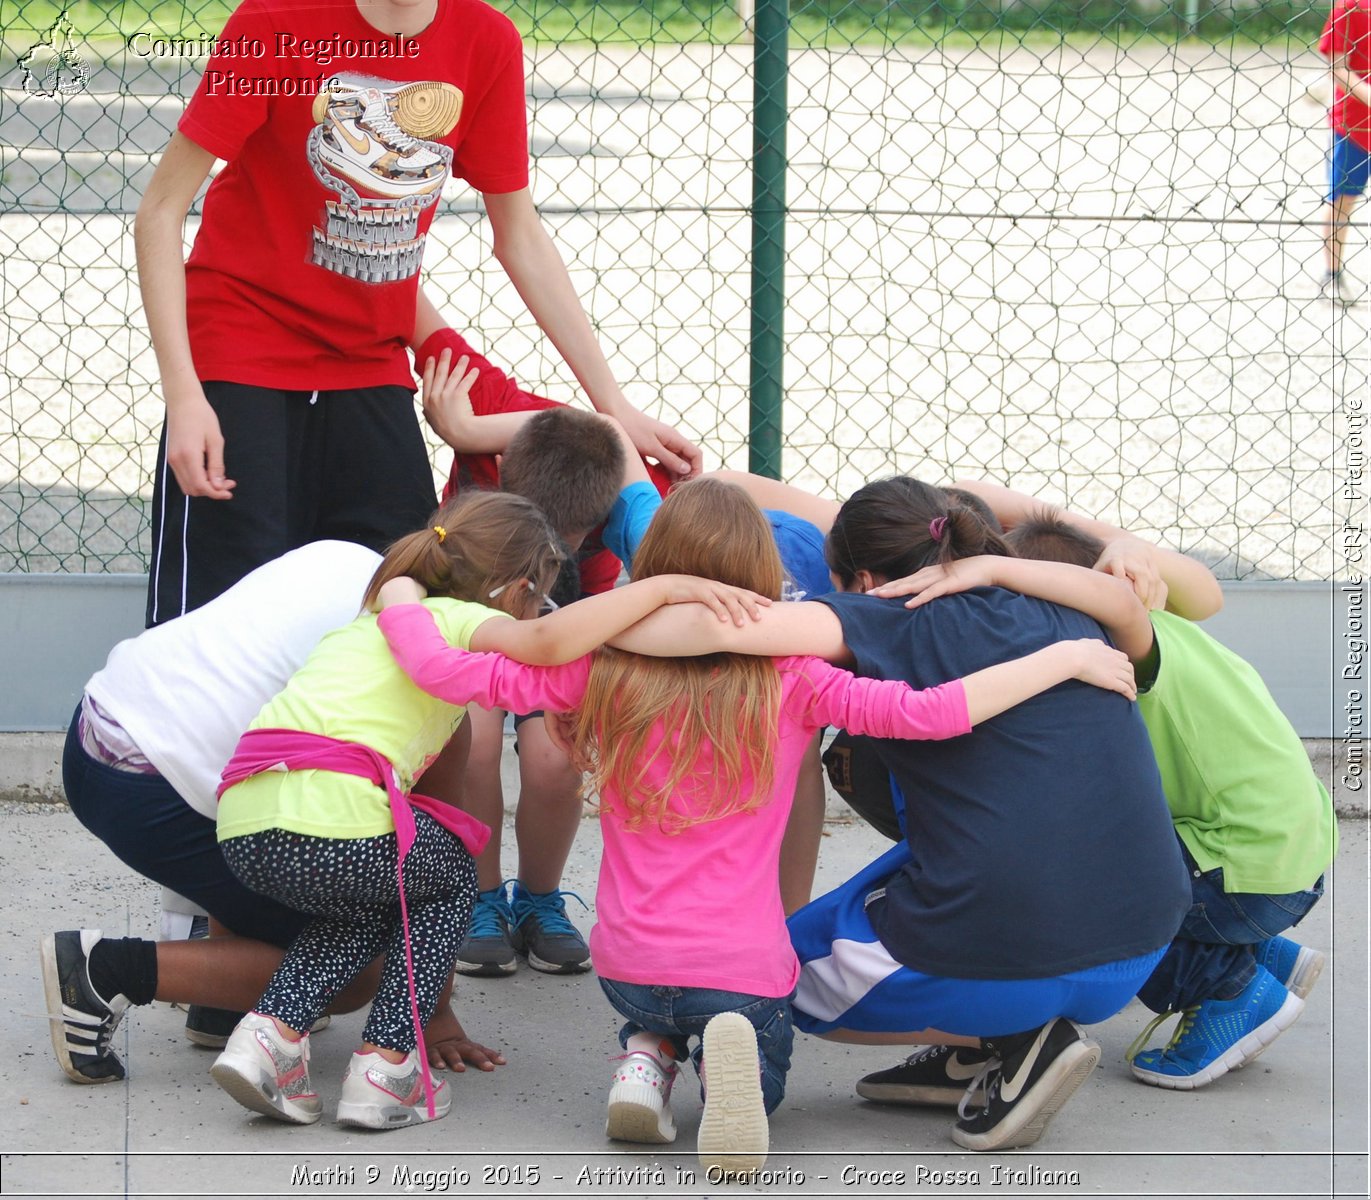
<point>384,1095</point>
<point>265,1071</point>
<point>640,1100</point>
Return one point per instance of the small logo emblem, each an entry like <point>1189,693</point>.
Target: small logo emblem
<point>52,67</point>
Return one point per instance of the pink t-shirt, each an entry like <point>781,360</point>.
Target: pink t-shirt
<point>700,908</point>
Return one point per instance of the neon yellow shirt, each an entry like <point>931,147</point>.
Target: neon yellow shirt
<point>350,688</point>
<point>1242,793</point>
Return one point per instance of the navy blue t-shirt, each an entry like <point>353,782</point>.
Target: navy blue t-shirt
<point>1041,840</point>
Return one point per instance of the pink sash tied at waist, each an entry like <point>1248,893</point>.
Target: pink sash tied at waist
<point>261,750</point>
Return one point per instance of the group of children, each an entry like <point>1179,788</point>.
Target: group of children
<point>325,784</point>
<point>967,938</point>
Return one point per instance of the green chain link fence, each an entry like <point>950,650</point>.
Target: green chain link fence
<point>1070,246</point>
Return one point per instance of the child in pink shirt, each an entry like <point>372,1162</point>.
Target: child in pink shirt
<point>694,762</point>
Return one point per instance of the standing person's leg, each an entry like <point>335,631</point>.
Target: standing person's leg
<point>376,481</point>
<point>1349,172</point>
<point>545,825</point>
<point>201,547</point>
<point>487,949</point>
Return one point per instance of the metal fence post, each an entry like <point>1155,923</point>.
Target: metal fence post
<point>770,68</point>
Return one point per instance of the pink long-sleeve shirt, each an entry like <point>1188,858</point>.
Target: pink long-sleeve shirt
<point>700,908</point>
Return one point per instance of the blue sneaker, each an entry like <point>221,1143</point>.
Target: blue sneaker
<point>1217,1036</point>
<point>1296,966</point>
<point>544,933</point>
<point>487,949</point>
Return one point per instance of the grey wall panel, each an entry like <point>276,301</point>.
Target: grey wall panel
<point>55,631</point>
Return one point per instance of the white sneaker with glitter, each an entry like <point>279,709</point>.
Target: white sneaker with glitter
<point>640,1100</point>
<point>378,1094</point>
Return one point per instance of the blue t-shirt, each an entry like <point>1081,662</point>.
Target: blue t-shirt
<point>1042,841</point>
<point>800,542</point>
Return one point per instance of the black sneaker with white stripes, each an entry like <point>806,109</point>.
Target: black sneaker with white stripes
<point>1029,1078</point>
<point>82,1021</point>
<point>931,1075</point>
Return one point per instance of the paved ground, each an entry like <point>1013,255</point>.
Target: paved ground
<point>1270,1130</point>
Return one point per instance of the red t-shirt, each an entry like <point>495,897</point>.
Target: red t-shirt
<point>496,392</point>
<point>338,140</point>
<point>1349,32</point>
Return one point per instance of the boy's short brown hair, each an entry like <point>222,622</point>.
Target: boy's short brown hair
<point>570,463</point>
<point>1046,537</point>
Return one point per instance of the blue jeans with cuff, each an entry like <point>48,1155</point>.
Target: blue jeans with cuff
<point>1211,956</point>
<point>680,1014</point>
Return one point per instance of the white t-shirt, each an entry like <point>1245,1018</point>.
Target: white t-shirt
<point>185,691</point>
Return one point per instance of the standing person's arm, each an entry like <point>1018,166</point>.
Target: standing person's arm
<point>526,252</point>
<point>195,445</point>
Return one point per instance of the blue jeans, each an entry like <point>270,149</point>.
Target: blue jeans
<point>682,1013</point>
<point>1211,956</point>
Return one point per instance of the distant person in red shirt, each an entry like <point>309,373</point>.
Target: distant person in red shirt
<point>282,341</point>
<point>1346,43</point>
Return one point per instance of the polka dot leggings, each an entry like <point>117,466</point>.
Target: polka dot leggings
<point>348,887</point>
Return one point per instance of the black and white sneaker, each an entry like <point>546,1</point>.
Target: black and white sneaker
<point>82,1021</point>
<point>1029,1078</point>
<point>931,1075</point>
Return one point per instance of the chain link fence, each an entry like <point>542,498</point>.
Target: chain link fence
<point>1074,247</point>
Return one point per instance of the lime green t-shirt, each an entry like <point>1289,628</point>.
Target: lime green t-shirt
<point>350,688</point>
<point>1242,793</point>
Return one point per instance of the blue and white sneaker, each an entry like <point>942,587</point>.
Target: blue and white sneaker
<point>543,932</point>
<point>1217,1036</point>
<point>1296,966</point>
<point>487,949</point>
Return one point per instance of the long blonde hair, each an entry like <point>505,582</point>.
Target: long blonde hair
<point>477,544</point>
<point>728,704</point>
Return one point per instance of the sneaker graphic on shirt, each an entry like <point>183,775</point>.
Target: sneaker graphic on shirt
<point>370,146</point>
<point>374,137</point>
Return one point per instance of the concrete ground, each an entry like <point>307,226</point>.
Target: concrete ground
<point>1293,1124</point>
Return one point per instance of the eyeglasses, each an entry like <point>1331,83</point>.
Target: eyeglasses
<point>548,604</point>
<point>528,583</point>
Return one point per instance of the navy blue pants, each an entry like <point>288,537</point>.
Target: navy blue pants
<point>147,825</point>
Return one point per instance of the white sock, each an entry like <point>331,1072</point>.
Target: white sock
<point>648,1043</point>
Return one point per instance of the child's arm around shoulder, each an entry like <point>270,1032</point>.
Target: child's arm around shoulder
<point>894,709</point>
<point>1108,600</point>
<point>458,676</point>
<point>579,628</point>
<point>806,628</point>
<point>1161,577</point>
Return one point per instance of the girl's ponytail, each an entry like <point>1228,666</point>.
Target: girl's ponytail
<point>476,545</point>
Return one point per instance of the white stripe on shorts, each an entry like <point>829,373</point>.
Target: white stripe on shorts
<point>830,986</point>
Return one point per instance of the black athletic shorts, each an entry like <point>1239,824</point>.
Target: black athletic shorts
<point>347,464</point>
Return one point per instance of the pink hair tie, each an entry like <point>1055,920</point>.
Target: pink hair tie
<point>936,527</point>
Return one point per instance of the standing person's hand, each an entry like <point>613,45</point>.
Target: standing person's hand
<point>661,442</point>
<point>195,447</point>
